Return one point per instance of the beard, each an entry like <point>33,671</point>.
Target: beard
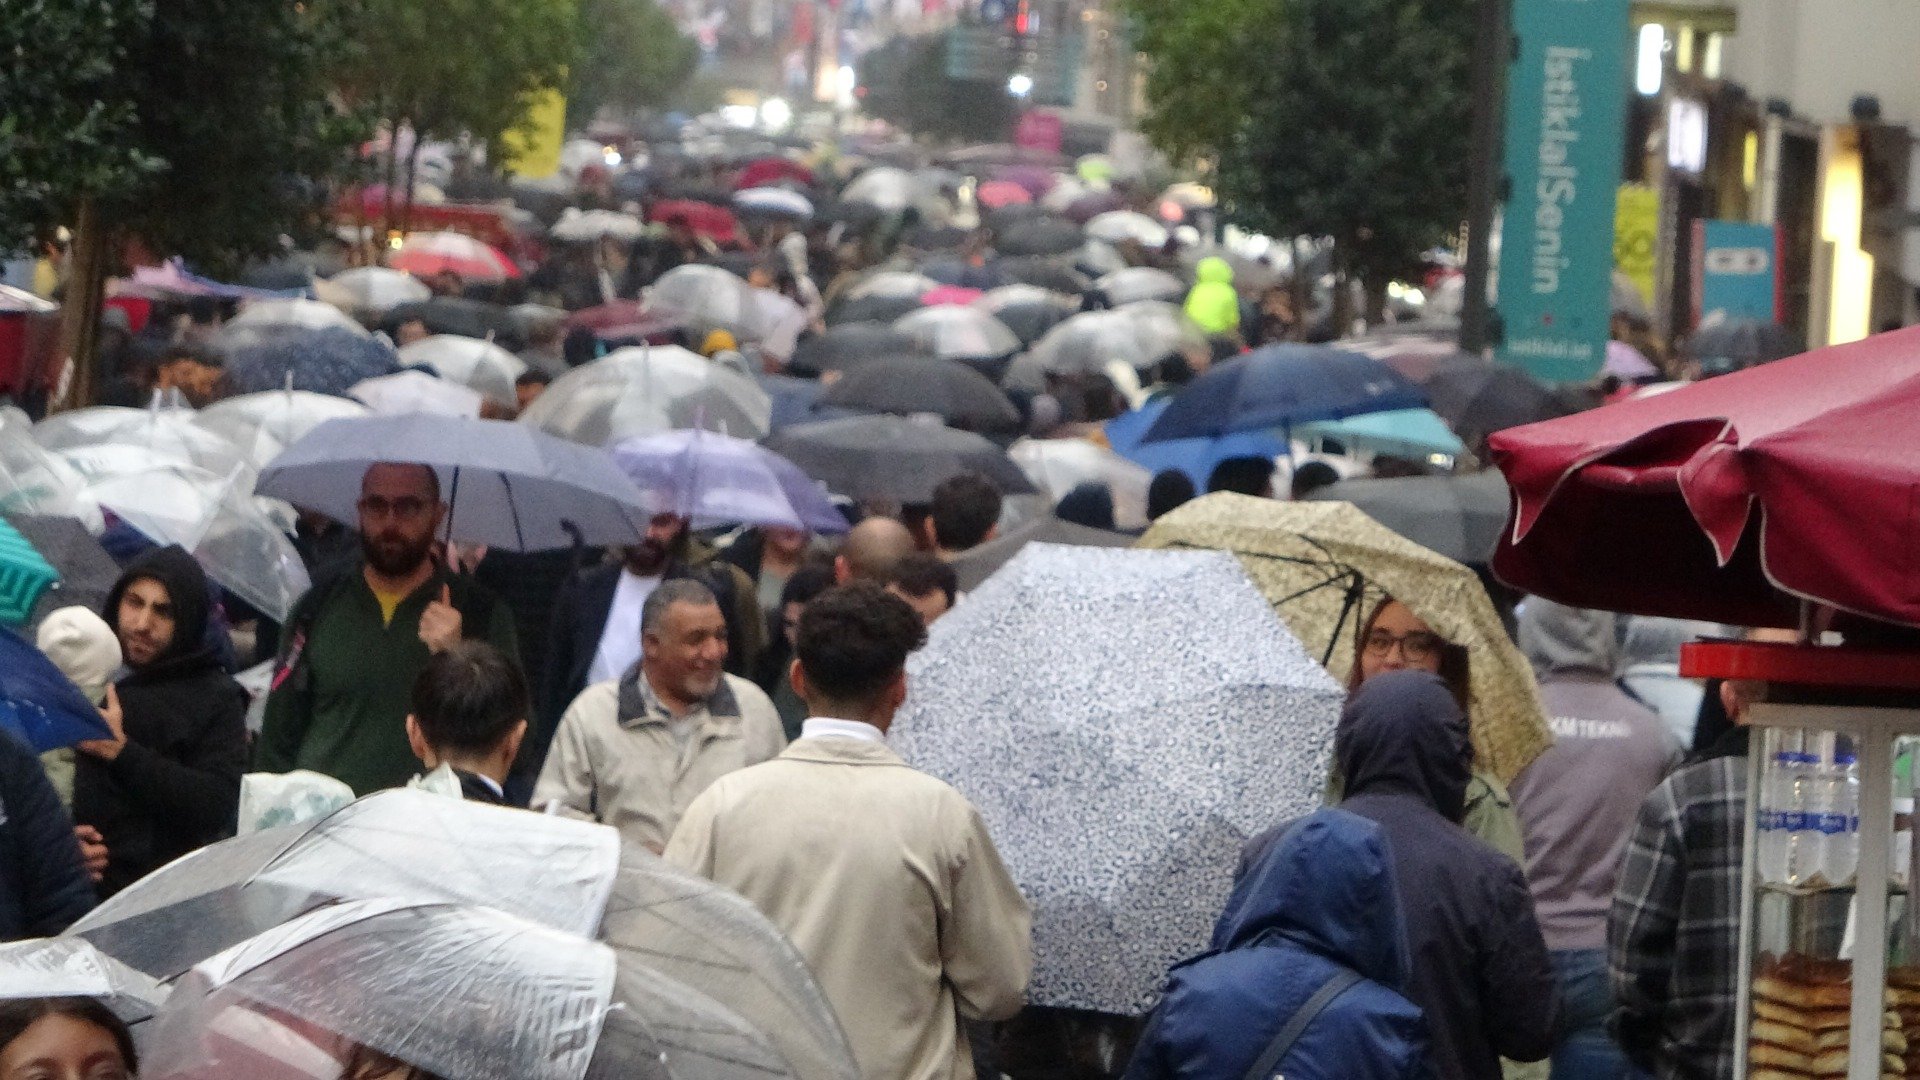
<point>395,554</point>
<point>649,557</point>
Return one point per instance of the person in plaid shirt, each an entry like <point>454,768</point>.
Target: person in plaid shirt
<point>1673,935</point>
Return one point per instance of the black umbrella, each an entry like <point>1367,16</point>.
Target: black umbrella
<point>948,389</point>
<point>935,238</point>
<point>87,572</point>
<point>891,457</point>
<point>1040,236</point>
<point>850,346</point>
<point>1738,344</point>
<point>1459,515</point>
<point>464,317</point>
<point>857,216</point>
<point>1006,219</point>
<point>1027,310</point>
<point>880,309</point>
<point>1042,272</point>
<point>1477,398</point>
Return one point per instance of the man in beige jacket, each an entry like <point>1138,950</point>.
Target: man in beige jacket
<point>634,751</point>
<point>883,877</point>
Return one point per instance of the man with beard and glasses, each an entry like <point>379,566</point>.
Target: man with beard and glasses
<point>594,636</point>
<point>634,750</point>
<point>356,642</point>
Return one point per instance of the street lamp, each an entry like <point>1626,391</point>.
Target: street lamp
<point>1020,84</point>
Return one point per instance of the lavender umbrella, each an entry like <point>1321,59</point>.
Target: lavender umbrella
<point>717,479</point>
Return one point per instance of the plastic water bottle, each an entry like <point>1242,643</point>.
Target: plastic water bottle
<point>1774,824</point>
<point>1840,819</point>
<point>1802,817</point>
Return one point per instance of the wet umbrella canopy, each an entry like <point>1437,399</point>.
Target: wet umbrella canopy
<point>957,394</point>
<point>851,346</point>
<point>1282,385</point>
<point>1119,775</point>
<point>959,333</point>
<point>1027,310</point>
<point>373,288</point>
<point>891,457</point>
<point>323,361</point>
<point>1052,274</point>
<point>1459,516</point>
<point>1039,235</point>
<point>1477,398</point>
<point>263,424</point>
<point>70,967</point>
<point>1737,344</point>
<point>478,365</point>
<point>644,390</point>
<point>264,320</point>
<point>713,479</point>
<point>708,298</point>
<point>881,309</point>
<point>1137,283</point>
<point>160,434</point>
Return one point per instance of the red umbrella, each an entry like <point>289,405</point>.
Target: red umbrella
<point>1732,499</point>
<point>995,194</point>
<point>428,253</point>
<point>716,223</point>
<point>773,170</point>
<point>951,295</point>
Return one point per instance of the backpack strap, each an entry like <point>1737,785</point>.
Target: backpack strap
<point>1269,1060</point>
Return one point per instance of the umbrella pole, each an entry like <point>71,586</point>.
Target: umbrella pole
<point>1355,588</point>
<point>506,485</point>
<point>453,498</point>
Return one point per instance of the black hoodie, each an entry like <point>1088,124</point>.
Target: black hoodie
<point>1480,967</point>
<point>175,786</point>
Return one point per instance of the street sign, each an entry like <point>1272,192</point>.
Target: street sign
<point>1734,274</point>
<point>1566,130</point>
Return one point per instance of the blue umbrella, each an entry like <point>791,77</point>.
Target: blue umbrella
<point>40,706</point>
<point>506,485</point>
<point>1281,386</point>
<point>1195,457</point>
<point>327,361</point>
<point>717,479</point>
<point>1410,432</point>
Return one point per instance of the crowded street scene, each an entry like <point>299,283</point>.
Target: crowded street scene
<point>959,540</point>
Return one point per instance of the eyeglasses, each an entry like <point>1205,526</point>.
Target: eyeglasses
<point>405,508</point>
<point>1418,646</point>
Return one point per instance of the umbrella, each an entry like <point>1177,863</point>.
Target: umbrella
<point>709,298</point>
<point>1137,283</point>
<point>795,400</point>
<point>1736,499</point>
<point>1120,226</point>
<point>506,485</point>
<point>1040,236</point>
<point>1095,203</point>
<point>951,296</point>
<point>34,481</point>
<point>86,572</point>
<point>1413,433</point>
<point>705,220</point>
<point>578,226</point>
<point>322,361</point>
<point>160,434</point>
<point>25,574</point>
<point>1417,354</point>
<point>714,479</point>
<point>1283,385</point>
<point>1459,516</point>
<point>1097,258</point>
<point>261,321</point>
<point>880,309</point>
<point>997,193</point>
<point>982,561</point>
<point>648,389</point>
<point>1737,344</point>
<point>1324,566</point>
<point>936,238</point>
<point>1027,310</point>
<point>774,202</point>
<point>709,938</point>
<point>456,991</point>
<point>230,535</point>
<point>959,333</point>
<point>956,393</point>
<point>373,288</point>
<point>263,424</point>
<point>1001,155</point>
<point>1139,335</point>
<point>1477,398</point>
<point>1195,457</point>
<point>1118,776</point>
<point>403,843</point>
<point>40,706</point>
<point>891,457</point>
<point>1057,466</point>
<point>478,365</point>
<point>891,283</point>
<point>416,391</point>
<point>1010,219</point>
<point>467,318</point>
<point>1626,297</point>
<point>70,967</point>
<point>764,172</point>
<point>429,253</point>
<point>886,188</point>
<point>850,346</point>
<point>1035,180</point>
<point>1044,272</point>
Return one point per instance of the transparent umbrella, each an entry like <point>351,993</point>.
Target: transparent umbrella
<point>1137,283</point>
<point>1138,335</point>
<point>644,390</point>
<point>373,288</point>
<point>886,187</point>
<point>264,320</point>
<point>35,481</point>
<point>72,967</point>
<point>1119,226</point>
<point>163,434</point>
<point>264,424</point>
<point>212,516</point>
<point>405,392</point>
<point>1057,466</point>
<point>892,283</point>
<point>959,333</point>
<point>473,363</point>
<point>709,298</point>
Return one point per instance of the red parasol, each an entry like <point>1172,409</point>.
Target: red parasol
<point>1731,499</point>
<point>716,223</point>
<point>429,253</point>
<point>772,170</point>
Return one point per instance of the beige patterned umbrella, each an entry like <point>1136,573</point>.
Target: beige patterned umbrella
<point>1324,565</point>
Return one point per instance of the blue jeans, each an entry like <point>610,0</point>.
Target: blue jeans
<point>1586,1051</point>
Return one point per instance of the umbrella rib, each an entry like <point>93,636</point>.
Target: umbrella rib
<point>513,508</point>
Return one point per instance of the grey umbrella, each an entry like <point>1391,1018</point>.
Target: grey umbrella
<point>850,346</point>
<point>977,564</point>
<point>1137,283</point>
<point>1123,722</point>
<point>1040,235</point>
<point>506,485</point>
<point>948,389</point>
<point>892,457</point>
<point>1027,310</point>
<point>1460,516</point>
<point>87,572</point>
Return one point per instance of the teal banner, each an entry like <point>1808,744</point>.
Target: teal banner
<point>1566,128</point>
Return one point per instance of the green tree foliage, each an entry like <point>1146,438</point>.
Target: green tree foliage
<point>631,56</point>
<point>1339,118</point>
<point>905,83</point>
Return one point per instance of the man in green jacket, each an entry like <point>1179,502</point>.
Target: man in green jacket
<point>354,644</point>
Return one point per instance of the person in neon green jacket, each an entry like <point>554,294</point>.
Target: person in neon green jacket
<point>1211,303</point>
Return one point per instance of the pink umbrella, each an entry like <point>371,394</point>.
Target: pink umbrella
<point>1037,180</point>
<point>950,294</point>
<point>430,253</point>
<point>995,194</point>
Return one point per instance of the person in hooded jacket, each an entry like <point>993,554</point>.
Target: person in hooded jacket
<point>169,782</point>
<point>1321,902</point>
<point>1212,303</point>
<point>1480,967</point>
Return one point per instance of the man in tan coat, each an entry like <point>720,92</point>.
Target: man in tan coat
<point>883,877</point>
<point>633,752</point>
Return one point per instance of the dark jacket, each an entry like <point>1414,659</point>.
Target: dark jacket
<point>475,789</point>
<point>175,786</point>
<point>1321,900</point>
<point>43,885</point>
<point>1480,972</point>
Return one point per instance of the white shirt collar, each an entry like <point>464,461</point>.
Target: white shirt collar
<point>817,727</point>
<point>492,784</point>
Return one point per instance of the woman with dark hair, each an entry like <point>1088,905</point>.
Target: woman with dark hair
<point>64,1038</point>
<point>366,1063</point>
<point>1395,639</point>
